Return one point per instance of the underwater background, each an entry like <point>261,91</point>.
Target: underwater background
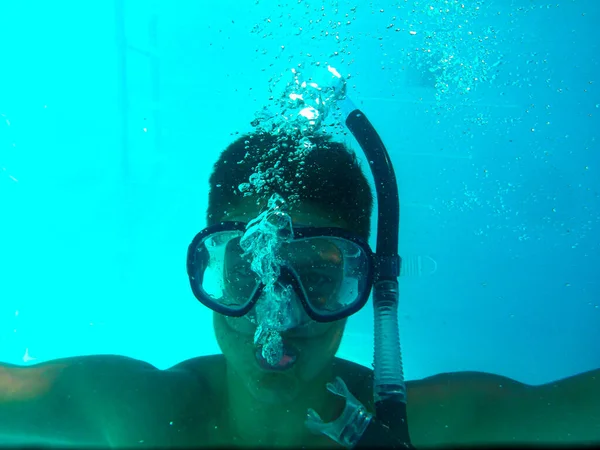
<point>113,112</point>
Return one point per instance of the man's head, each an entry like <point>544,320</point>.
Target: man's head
<point>327,179</point>
<point>330,190</point>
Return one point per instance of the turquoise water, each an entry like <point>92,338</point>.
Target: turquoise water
<point>112,114</point>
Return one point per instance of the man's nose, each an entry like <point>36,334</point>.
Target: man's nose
<point>280,309</point>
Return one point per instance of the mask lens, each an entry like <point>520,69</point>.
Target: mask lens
<point>333,272</point>
<point>228,279</point>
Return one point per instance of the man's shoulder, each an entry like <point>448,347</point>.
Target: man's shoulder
<point>115,366</point>
<point>209,371</point>
<point>128,376</point>
<point>201,364</point>
<point>460,386</point>
<point>134,402</point>
<point>105,379</point>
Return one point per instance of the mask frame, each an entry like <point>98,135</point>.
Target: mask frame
<point>197,260</point>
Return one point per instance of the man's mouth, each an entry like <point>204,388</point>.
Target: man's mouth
<point>287,360</point>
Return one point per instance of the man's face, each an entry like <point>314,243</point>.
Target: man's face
<point>313,344</point>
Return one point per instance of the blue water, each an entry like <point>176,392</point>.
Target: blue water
<point>113,113</point>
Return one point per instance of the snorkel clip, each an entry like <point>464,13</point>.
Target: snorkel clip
<point>347,429</point>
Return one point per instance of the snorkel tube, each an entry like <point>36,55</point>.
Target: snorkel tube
<point>356,427</point>
<point>389,388</point>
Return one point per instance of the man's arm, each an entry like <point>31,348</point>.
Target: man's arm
<point>42,405</point>
<point>90,401</point>
<point>565,411</point>
<point>478,408</point>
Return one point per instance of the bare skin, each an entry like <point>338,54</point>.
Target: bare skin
<point>226,400</point>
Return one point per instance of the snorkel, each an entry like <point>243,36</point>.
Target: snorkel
<point>306,104</point>
<point>389,389</point>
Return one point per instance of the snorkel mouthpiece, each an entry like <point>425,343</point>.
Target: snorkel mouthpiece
<point>262,242</point>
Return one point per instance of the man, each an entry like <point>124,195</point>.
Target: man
<point>258,392</point>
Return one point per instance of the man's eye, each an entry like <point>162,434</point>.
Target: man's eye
<point>241,272</point>
<point>317,280</point>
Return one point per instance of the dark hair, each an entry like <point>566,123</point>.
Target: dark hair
<point>328,176</point>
